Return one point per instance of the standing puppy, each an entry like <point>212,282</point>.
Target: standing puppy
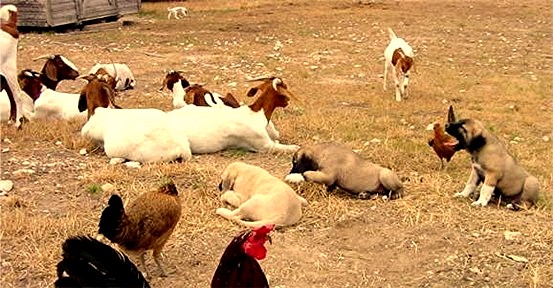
<point>399,56</point>
<point>259,197</point>
<point>335,165</point>
<point>493,165</point>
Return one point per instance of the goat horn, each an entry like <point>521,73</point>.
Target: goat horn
<point>262,78</point>
<point>44,57</point>
<point>276,81</point>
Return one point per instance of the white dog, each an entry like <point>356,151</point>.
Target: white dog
<point>260,197</point>
<point>399,56</point>
<point>176,11</point>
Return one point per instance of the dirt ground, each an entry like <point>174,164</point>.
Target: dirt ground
<point>491,59</point>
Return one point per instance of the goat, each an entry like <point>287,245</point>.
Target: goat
<point>143,135</point>
<point>399,56</point>
<point>47,102</point>
<point>9,38</point>
<point>195,94</point>
<point>121,72</point>
<point>211,130</point>
<point>176,11</point>
<point>55,69</point>
<point>185,93</point>
<point>97,93</point>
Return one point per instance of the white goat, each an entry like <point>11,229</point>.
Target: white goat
<point>9,38</point>
<point>121,72</point>
<point>399,56</point>
<point>185,94</point>
<point>48,103</point>
<point>143,135</point>
<point>211,130</point>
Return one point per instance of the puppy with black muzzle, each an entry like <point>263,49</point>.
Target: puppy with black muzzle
<point>336,165</point>
<point>493,165</point>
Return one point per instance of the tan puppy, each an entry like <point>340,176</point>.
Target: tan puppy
<point>335,165</point>
<point>260,197</point>
<point>492,164</point>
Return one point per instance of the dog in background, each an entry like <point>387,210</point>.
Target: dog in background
<point>399,57</point>
<point>493,165</point>
<point>176,11</point>
<point>335,165</point>
<point>259,197</point>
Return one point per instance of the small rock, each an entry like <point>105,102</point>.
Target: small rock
<point>6,185</point>
<point>83,151</point>
<point>509,235</point>
<point>6,150</point>
<point>24,171</point>
<point>518,139</point>
<point>58,143</point>
<point>545,138</point>
<point>108,187</point>
<point>7,140</point>
<point>375,141</point>
<point>444,101</point>
<point>412,127</point>
<point>133,164</point>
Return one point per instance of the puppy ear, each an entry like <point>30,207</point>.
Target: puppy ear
<point>228,178</point>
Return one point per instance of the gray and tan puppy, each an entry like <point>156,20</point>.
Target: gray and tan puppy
<point>260,198</point>
<point>493,165</point>
<point>336,165</point>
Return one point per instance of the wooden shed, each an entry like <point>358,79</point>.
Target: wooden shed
<point>52,13</point>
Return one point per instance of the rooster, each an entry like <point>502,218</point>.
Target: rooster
<point>443,143</point>
<point>88,262</point>
<point>238,266</point>
<point>146,224</point>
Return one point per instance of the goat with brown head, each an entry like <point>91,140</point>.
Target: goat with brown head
<point>273,93</point>
<point>97,93</point>
<point>55,69</point>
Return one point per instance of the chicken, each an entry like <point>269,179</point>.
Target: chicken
<point>90,263</point>
<point>145,224</point>
<point>443,143</point>
<point>238,266</point>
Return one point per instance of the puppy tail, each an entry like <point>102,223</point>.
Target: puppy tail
<point>391,33</point>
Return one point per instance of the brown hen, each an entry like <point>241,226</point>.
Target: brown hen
<point>145,224</point>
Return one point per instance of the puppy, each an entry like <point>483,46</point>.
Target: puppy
<point>399,56</point>
<point>176,11</point>
<point>493,165</point>
<point>335,165</point>
<point>259,196</point>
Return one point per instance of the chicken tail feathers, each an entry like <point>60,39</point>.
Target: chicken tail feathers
<point>111,217</point>
<point>90,263</point>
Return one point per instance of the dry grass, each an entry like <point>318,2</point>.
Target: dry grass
<point>482,56</point>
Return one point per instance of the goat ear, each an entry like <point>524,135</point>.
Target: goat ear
<point>450,115</point>
<point>252,92</point>
<point>50,70</point>
<point>82,102</point>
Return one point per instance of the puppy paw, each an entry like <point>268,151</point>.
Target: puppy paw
<point>459,195</point>
<point>478,204</point>
<point>294,178</point>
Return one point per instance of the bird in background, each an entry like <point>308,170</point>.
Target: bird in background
<point>443,143</point>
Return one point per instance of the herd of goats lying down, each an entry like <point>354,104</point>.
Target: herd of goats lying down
<point>208,122</point>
